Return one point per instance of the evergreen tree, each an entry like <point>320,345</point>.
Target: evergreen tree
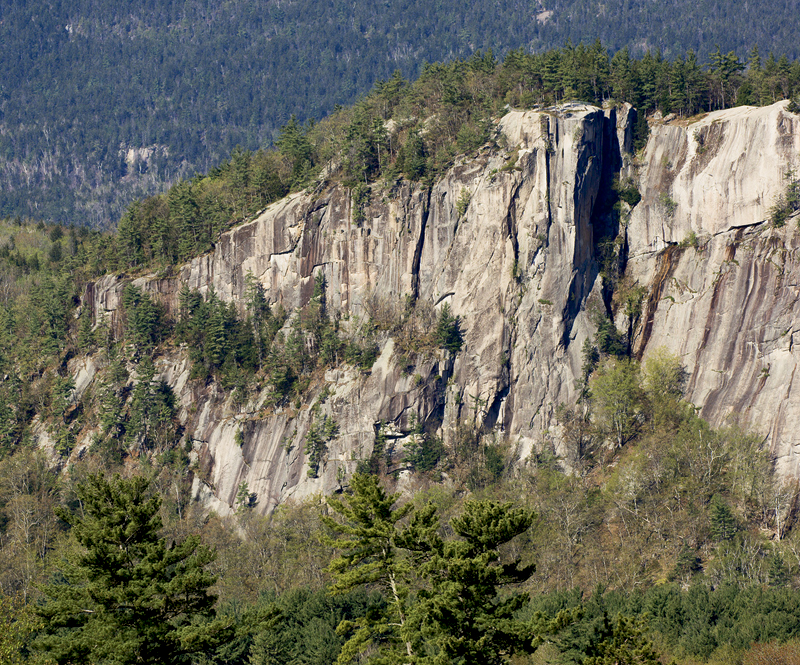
<point>448,330</point>
<point>624,643</point>
<point>127,596</point>
<point>370,555</point>
<point>144,320</point>
<point>465,613</point>
<point>446,598</point>
<point>215,333</point>
<point>294,143</point>
<point>723,523</point>
<point>152,410</point>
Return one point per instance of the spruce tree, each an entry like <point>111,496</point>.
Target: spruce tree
<point>723,523</point>
<point>127,596</point>
<point>448,330</point>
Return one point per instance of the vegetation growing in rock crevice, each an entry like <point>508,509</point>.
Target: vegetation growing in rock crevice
<point>788,202</point>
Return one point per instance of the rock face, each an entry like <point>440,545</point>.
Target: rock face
<point>726,302</point>
<point>511,239</point>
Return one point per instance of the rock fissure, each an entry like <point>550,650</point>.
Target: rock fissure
<point>415,266</point>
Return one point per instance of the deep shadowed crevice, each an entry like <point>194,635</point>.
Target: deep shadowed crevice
<point>493,412</point>
<point>420,244</point>
<point>610,247</point>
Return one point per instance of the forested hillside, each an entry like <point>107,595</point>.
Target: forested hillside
<point>658,536</point>
<point>100,106</point>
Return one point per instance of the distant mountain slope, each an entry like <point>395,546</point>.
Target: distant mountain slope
<point>100,105</point>
<point>677,25</point>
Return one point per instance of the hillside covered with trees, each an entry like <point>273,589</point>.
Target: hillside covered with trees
<point>666,539</point>
<point>100,105</point>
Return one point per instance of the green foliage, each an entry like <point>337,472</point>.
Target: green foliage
<point>699,621</point>
<point>788,202</point>
<point>472,135</point>
<point>687,563</point>
<point>365,150</point>
<point>144,320</point>
<point>424,453</point>
<point>608,339</point>
<point>618,399</point>
<point>691,240</point>
<point>723,523</point>
<point>96,152</point>
<point>320,432</point>
<point>370,555</point>
<point>245,499</point>
<point>411,160</point>
<point>668,203</point>
<point>127,597</point>
<point>628,192</point>
<point>663,377</point>
<point>778,571</point>
<point>445,598</point>
<point>293,142</point>
<point>360,195</point>
<point>623,643</point>
<point>302,628</point>
<point>463,202</point>
<point>462,612</point>
<point>219,342</point>
<point>17,624</point>
<point>61,400</point>
<point>448,330</point>
<point>151,421</point>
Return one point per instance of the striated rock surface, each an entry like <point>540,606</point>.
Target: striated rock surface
<point>519,264</point>
<point>726,302</point>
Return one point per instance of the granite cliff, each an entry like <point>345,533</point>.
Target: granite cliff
<point>517,242</point>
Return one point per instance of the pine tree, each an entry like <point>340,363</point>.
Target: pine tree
<point>370,555</point>
<point>260,314</point>
<point>446,599</point>
<point>448,330</point>
<point>294,143</point>
<point>464,610</point>
<point>778,571</point>
<point>216,337</point>
<point>152,410</point>
<point>723,523</point>
<point>126,596</point>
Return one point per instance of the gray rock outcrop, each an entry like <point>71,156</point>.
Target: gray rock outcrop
<point>722,282</point>
<point>510,239</point>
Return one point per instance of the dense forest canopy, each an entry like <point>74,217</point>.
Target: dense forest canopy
<point>102,103</point>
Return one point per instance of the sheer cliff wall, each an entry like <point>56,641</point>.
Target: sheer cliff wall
<point>521,267</point>
<point>723,282</point>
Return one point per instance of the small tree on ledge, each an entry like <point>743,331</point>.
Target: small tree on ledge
<point>448,330</point>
